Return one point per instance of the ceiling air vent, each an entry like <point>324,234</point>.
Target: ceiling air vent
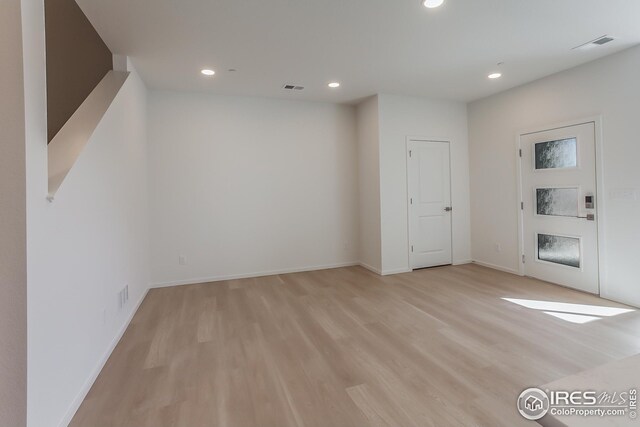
<point>292,87</point>
<point>594,43</point>
<point>603,40</point>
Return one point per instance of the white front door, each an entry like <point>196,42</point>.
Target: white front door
<point>559,206</point>
<point>429,185</point>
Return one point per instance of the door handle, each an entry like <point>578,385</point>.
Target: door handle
<point>589,217</point>
<point>448,209</point>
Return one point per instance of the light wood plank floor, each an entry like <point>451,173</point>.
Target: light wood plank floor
<point>344,347</point>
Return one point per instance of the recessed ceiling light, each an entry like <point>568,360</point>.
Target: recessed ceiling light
<point>334,85</point>
<point>208,72</point>
<point>432,3</point>
<point>495,75</point>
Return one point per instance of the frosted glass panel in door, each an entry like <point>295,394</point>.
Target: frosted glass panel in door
<point>558,154</point>
<point>557,201</point>
<point>559,250</point>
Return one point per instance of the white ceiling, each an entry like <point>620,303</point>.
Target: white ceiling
<point>370,46</point>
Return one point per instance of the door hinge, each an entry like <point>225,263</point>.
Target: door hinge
<point>411,200</point>
<point>523,259</point>
<point>521,205</point>
<point>520,151</point>
<point>409,153</point>
<point>411,248</point>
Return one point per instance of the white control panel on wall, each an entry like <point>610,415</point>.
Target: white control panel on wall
<point>628,194</point>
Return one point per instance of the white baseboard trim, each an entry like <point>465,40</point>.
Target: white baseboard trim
<point>404,270</point>
<point>75,405</point>
<point>616,298</point>
<point>497,267</point>
<point>197,280</point>
<point>370,268</point>
<point>396,271</point>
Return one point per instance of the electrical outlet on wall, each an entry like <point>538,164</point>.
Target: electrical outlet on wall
<point>182,259</point>
<point>498,247</point>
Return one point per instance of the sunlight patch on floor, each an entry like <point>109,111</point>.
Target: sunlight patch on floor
<point>574,313</point>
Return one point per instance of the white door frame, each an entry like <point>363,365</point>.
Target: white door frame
<point>409,140</point>
<point>600,202</point>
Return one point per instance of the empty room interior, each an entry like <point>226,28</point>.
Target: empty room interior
<point>337,213</point>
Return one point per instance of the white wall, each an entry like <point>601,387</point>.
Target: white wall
<point>248,186</point>
<point>609,87</point>
<point>400,117</point>
<point>83,247</point>
<point>13,251</point>
<point>369,184</point>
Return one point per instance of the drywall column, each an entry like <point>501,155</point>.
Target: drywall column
<point>384,124</point>
<point>401,117</point>
<point>13,266</point>
<point>369,184</point>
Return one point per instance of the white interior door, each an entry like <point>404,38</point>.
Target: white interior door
<point>429,185</point>
<point>559,206</point>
